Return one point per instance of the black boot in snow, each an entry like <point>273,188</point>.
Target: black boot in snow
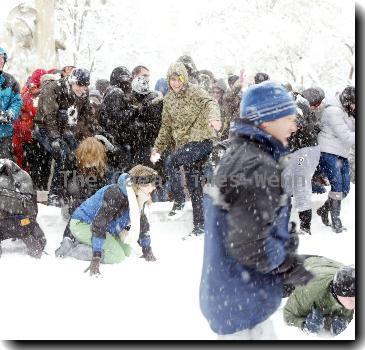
<point>305,221</point>
<point>323,212</point>
<point>335,209</point>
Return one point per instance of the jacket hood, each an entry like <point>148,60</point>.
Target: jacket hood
<point>273,146</point>
<point>120,76</point>
<point>179,69</point>
<point>36,76</point>
<point>123,182</point>
<point>220,84</point>
<point>188,64</point>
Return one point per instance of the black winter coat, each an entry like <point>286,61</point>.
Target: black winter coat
<point>147,122</point>
<point>308,127</point>
<point>249,181</point>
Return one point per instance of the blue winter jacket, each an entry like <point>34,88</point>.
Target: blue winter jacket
<point>88,210</point>
<point>246,234</point>
<point>10,100</point>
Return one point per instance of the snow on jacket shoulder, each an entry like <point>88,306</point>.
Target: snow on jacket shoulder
<point>337,133</point>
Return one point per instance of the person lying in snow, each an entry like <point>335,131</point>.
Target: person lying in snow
<point>327,301</point>
<point>18,208</point>
<point>106,227</point>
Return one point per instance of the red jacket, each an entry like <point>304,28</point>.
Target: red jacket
<point>23,126</point>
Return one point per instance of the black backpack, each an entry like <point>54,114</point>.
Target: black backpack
<point>17,195</point>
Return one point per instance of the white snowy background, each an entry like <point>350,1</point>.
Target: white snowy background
<point>305,42</point>
<point>52,298</point>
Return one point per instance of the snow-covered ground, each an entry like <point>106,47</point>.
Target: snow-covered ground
<point>52,298</point>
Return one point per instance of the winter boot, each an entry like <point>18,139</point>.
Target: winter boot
<point>305,221</point>
<point>176,211</point>
<point>65,247</point>
<point>197,231</point>
<point>323,212</point>
<point>54,200</point>
<point>335,210</point>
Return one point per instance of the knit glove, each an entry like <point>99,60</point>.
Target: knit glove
<point>147,254</point>
<point>338,325</point>
<point>108,145</point>
<point>292,271</point>
<point>314,321</point>
<point>59,148</point>
<point>62,115</point>
<point>94,266</point>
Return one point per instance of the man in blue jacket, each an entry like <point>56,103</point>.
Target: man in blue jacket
<point>10,106</point>
<point>249,250</point>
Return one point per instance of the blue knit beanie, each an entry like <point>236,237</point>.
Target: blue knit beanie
<point>265,102</point>
<point>162,86</point>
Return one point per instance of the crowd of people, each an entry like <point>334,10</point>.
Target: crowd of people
<point>244,155</point>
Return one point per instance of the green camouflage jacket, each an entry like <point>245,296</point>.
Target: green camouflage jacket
<point>316,295</point>
<point>187,114</point>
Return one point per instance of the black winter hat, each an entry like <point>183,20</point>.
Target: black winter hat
<point>344,282</point>
<point>260,77</point>
<point>314,95</point>
<point>80,76</point>
<point>232,79</point>
<point>101,85</point>
<point>348,96</point>
<point>119,76</point>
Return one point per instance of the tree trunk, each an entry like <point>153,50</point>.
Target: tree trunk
<point>45,38</point>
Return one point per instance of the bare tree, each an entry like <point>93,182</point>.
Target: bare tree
<point>74,15</point>
<point>352,68</point>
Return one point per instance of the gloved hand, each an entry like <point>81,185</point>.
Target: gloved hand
<point>5,117</point>
<point>62,115</point>
<point>158,98</point>
<point>314,321</point>
<point>155,156</point>
<point>293,241</point>
<point>338,325</point>
<point>108,145</point>
<point>94,266</point>
<point>293,272</point>
<point>59,148</point>
<point>147,254</point>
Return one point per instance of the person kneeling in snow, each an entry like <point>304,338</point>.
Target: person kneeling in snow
<point>106,227</point>
<point>18,208</point>
<point>327,301</point>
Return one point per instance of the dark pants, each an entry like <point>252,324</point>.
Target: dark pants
<point>192,157</point>
<point>63,156</point>
<point>337,170</point>
<point>39,161</point>
<point>27,230</point>
<point>6,147</point>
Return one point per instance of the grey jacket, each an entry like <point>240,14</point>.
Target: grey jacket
<point>337,133</point>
